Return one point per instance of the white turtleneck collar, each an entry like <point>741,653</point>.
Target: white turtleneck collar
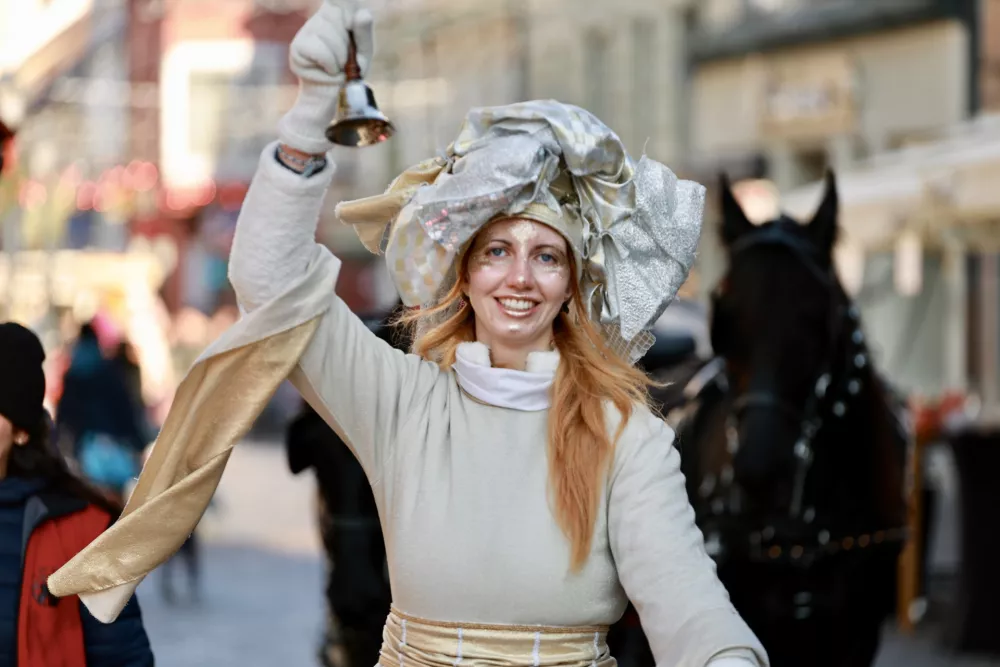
<point>526,390</point>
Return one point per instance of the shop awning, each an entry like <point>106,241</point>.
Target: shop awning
<point>873,204</point>
<point>950,184</point>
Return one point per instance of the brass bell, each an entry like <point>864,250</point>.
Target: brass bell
<point>358,121</point>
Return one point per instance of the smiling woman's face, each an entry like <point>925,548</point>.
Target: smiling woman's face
<point>518,280</point>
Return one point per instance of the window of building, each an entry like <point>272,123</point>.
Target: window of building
<point>232,111</point>
<point>772,6</point>
<point>901,140</point>
<point>723,15</point>
<point>597,72</point>
<point>210,92</point>
<point>718,15</point>
<point>643,102</point>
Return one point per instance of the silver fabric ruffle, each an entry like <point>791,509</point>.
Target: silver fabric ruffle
<point>635,226</point>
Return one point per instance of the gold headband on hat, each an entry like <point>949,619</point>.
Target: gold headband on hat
<point>370,215</point>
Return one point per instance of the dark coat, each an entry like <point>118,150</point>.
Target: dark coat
<point>120,644</point>
<point>96,399</point>
<point>358,592</point>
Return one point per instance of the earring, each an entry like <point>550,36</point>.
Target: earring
<point>565,307</point>
<point>21,440</point>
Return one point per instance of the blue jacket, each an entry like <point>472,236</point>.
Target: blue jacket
<point>120,644</point>
<point>95,399</point>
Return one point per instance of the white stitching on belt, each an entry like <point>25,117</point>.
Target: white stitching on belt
<point>402,641</point>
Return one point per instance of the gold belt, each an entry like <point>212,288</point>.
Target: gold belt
<point>408,641</point>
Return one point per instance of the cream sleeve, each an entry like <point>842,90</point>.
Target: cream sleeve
<point>660,555</point>
<point>364,388</point>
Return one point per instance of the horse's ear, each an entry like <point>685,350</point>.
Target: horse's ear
<point>734,221</point>
<point>823,227</point>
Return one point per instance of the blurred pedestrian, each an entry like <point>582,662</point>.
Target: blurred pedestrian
<point>47,515</point>
<point>357,588</point>
<point>126,361</point>
<point>358,594</point>
<point>189,555</point>
<point>97,420</point>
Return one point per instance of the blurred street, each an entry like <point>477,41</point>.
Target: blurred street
<point>263,579</point>
<point>262,574</point>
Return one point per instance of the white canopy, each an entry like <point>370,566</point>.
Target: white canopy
<point>948,184</point>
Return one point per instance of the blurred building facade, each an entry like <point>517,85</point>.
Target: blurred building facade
<point>61,89</point>
<point>436,59</point>
<point>218,72</point>
<point>784,89</point>
<point>143,120</point>
<point>197,88</point>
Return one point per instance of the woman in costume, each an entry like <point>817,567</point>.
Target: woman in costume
<point>524,489</point>
<point>520,479</point>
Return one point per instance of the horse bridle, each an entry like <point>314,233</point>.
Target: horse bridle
<point>835,399</point>
<point>808,542</point>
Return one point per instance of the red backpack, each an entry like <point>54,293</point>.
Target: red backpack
<point>49,629</point>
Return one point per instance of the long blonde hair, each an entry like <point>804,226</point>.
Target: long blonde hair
<point>589,376</point>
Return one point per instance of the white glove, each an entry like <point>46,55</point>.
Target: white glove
<point>317,57</point>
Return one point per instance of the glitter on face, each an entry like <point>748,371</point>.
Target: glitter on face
<point>524,232</point>
<point>518,280</point>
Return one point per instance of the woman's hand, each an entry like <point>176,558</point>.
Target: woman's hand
<point>317,57</point>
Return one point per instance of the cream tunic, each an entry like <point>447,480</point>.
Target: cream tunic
<point>461,486</point>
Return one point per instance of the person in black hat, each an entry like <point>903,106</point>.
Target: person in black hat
<point>47,515</point>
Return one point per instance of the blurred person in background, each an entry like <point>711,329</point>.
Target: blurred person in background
<point>189,557</point>
<point>46,516</point>
<point>358,595</point>
<point>98,422</point>
<point>127,362</point>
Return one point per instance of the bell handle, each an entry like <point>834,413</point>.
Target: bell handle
<point>352,71</point>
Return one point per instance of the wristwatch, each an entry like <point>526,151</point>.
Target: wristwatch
<point>306,167</point>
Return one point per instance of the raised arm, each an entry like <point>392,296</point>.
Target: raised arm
<point>661,559</point>
<point>359,384</point>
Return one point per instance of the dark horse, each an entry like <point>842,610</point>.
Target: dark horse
<point>794,449</point>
